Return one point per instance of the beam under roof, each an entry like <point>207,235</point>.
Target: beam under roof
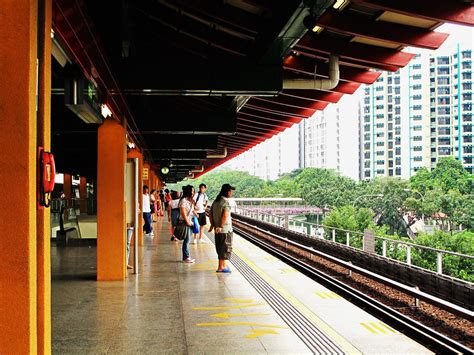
<point>357,25</point>
<point>458,12</point>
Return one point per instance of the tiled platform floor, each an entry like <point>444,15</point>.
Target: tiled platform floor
<point>170,307</point>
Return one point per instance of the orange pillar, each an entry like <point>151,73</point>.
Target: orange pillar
<point>83,194</point>
<point>111,228</point>
<point>18,211</point>
<point>67,186</point>
<point>43,218</point>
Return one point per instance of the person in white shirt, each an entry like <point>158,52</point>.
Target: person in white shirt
<point>201,200</point>
<point>146,211</point>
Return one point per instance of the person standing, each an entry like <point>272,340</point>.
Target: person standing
<point>173,213</point>
<point>162,202</point>
<point>201,200</point>
<point>186,213</point>
<point>153,209</point>
<point>221,222</point>
<point>146,211</point>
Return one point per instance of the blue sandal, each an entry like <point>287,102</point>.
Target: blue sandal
<point>224,271</point>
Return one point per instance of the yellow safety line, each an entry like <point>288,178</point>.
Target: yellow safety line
<point>230,315</point>
<point>250,324</point>
<point>320,295</point>
<point>380,329</point>
<point>387,327</point>
<point>228,307</point>
<point>368,328</point>
<point>260,332</point>
<point>236,300</point>
<point>331,333</point>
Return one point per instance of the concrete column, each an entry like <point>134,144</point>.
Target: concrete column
<point>83,194</point>
<point>111,228</point>
<point>19,298</point>
<point>67,186</point>
<point>135,153</point>
<point>43,218</point>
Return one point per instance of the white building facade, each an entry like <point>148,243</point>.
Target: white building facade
<point>412,117</point>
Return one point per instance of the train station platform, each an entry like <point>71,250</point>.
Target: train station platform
<point>263,306</point>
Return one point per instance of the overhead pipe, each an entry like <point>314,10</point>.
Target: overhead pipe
<point>216,156</point>
<point>316,83</point>
<point>198,170</point>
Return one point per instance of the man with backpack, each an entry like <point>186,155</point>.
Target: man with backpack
<point>200,203</point>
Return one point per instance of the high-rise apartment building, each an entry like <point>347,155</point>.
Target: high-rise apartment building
<point>412,117</point>
<point>329,138</point>
<point>271,158</point>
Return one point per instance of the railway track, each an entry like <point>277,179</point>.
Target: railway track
<point>287,251</point>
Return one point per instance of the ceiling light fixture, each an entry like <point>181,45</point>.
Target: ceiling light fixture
<point>310,23</point>
<point>105,111</point>
<point>165,170</point>
<point>340,4</point>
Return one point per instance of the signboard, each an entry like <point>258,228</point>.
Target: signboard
<point>369,241</point>
<point>145,173</point>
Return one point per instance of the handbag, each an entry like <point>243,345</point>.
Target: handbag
<point>181,230</point>
<point>195,225</point>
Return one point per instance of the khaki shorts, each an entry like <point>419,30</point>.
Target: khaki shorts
<point>224,245</point>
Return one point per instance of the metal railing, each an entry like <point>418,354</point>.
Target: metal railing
<point>385,247</point>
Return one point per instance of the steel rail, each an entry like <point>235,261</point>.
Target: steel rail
<point>415,330</point>
<point>412,291</point>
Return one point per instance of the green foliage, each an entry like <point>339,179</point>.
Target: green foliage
<point>448,188</point>
<point>349,219</point>
<point>324,187</point>
<point>246,185</point>
<point>390,205</point>
<point>455,266</point>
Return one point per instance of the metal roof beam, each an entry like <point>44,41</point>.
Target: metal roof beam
<point>356,25</point>
<point>458,12</point>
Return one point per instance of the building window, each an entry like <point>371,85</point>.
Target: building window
<point>443,131</point>
<point>398,171</point>
<point>444,151</point>
<point>444,141</point>
<point>443,81</point>
<point>467,86</point>
<point>467,75</point>
<point>466,54</point>
<point>416,77</point>
<point>444,120</point>
<point>444,111</point>
<point>467,107</point>
<point>443,60</point>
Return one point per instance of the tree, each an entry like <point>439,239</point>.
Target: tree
<point>390,205</point>
<point>324,187</point>
<point>348,218</point>
<point>448,189</point>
